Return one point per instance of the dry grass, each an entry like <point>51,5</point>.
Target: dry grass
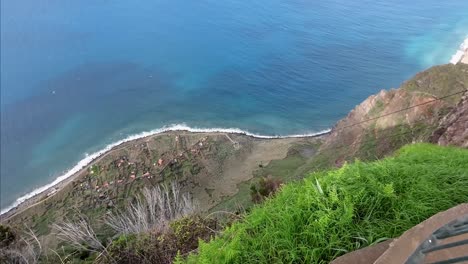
<point>79,235</point>
<point>25,251</point>
<point>153,211</point>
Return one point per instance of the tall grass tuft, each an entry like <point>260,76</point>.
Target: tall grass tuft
<point>25,249</point>
<point>153,211</point>
<point>79,234</point>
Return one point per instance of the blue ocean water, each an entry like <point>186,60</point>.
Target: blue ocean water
<point>79,75</point>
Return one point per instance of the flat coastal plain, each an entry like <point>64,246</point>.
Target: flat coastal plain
<point>217,170</point>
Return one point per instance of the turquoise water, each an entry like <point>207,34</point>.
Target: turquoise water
<point>79,75</point>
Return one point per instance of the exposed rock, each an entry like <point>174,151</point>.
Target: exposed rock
<point>453,128</point>
<point>388,120</point>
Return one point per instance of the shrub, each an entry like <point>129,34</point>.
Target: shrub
<point>7,236</point>
<point>79,234</point>
<point>21,248</point>
<point>267,186</point>
<point>157,207</point>
<point>162,246</point>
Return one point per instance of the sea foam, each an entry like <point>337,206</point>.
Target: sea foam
<point>176,127</point>
<point>458,56</point>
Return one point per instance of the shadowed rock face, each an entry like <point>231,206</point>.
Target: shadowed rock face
<point>453,128</point>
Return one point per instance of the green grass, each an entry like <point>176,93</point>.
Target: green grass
<point>440,81</point>
<point>283,169</point>
<point>286,169</point>
<point>238,202</point>
<point>331,213</point>
<point>377,109</point>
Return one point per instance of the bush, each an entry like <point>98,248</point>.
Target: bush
<point>157,207</point>
<point>79,234</point>
<point>19,247</point>
<point>7,236</point>
<point>267,186</point>
<point>160,246</point>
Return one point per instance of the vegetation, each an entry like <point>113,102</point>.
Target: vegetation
<point>377,109</point>
<point>440,81</point>
<point>80,235</point>
<point>267,186</point>
<point>294,166</point>
<point>159,206</point>
<point>145,227</point>
<point>331,213</point>
<point>19,247</point>
<point>156,246</point>
<point>314,220</point>
<point>7,236</point>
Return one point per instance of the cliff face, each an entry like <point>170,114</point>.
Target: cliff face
<point>453,128</point>
<point>378,126</point>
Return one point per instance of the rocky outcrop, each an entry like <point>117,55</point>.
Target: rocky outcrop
<point>390,119</point>
<point>453,128</point>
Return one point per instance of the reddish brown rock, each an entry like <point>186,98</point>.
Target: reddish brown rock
<point>453,128</point>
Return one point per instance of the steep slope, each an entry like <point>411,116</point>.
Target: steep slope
<point>378,126</point>
<point>334,212</point>
<point>218,169</point>
<point>453,128</point>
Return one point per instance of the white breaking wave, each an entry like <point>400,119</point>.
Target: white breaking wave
<point>177,127</point>
<point>458,56</point>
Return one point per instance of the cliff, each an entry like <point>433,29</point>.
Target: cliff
<point>311,219</point>
<point>392,118</point>
<point>453,128</point>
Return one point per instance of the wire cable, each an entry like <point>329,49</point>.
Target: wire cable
<point>404,109</point>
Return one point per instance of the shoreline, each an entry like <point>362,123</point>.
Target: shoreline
<point>461,55</point>
<point>48,190</point>
<point>37,195</point>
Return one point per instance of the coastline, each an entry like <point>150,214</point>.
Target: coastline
<point>461,55</point>
<point>40,194</point>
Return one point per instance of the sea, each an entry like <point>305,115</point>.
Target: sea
<point>81,76</point>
